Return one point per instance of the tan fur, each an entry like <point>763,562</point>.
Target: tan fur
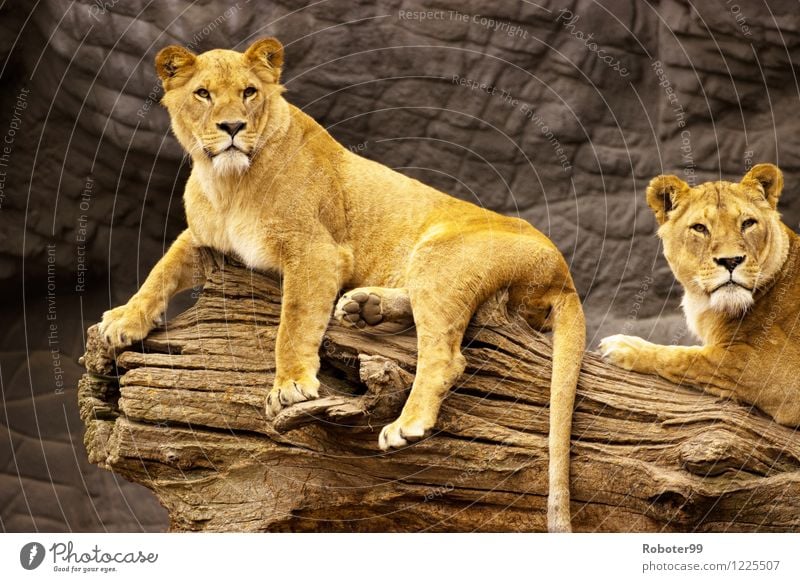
<point>292,199</point>
<point>751,329</point>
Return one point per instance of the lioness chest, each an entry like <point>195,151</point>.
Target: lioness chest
<point>245,237</point>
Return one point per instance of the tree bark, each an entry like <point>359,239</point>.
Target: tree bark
<point>182,413</point>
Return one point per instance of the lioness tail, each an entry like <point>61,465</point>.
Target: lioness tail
<point>569,342</point>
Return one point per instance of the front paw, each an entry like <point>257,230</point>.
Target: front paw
<point>287,392</point>
<point>404,430</point>
<point>125,324</point>
<point>628,352</point>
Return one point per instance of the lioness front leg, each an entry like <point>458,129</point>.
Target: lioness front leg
<point>311,281</point>
<point>178,269</point>
<point>707,367</point>
<point>735,371</point>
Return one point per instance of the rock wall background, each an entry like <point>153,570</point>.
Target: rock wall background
<point>559,112</point>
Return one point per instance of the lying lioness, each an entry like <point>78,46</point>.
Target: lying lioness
<point>738,264</point>
<point>273,187</point>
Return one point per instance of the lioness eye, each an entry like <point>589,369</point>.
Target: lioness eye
<point>748,223</point>
<point>202,93</point>
<point>699,228</point>
<point>249,92</point>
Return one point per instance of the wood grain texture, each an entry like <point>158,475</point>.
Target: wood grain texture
<point>182,414</point>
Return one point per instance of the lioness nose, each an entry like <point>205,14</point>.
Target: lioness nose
<point>231,127</point>
<point>730,263</point>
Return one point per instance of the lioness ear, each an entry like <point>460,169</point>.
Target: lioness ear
<point>769,178</point>
<point>173,61</point>
<point>268,53</point>
<point>663,193</point>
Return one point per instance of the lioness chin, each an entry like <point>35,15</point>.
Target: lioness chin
<point>740,270</point>
<point>271,186</point>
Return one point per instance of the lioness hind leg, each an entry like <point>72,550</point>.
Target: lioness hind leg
<point>439,365</point>
<point>441,315</point>
<point>446,284</point>
<point>373,305</point>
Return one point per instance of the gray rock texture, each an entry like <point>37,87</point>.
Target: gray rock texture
<point>556,112</point>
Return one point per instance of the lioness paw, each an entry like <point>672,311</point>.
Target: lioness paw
<point>289,392</point>
<point>373,305</point>
<point>124,325</point>
<point>359,308</point>
<point>626,351</point>
<point>401,432</point>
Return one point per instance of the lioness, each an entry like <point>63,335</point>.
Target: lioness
<point>273,187</point>
<point>738,264</point>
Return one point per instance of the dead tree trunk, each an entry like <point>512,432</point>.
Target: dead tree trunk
<point>182,414</point>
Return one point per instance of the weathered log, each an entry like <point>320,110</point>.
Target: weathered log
<point>182,414</point>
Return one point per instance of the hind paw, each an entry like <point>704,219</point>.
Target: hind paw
<point>373,305</point>
<point>359,308</point>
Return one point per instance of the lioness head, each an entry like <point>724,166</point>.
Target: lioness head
<point>723,240</point>
<point>220,101</point>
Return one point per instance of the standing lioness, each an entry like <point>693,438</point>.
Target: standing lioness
<point>738,264</point>
<point>272,186</point>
